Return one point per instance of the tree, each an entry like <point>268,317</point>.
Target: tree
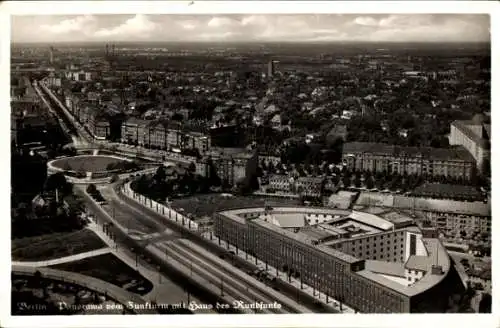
<point>263,165</point>
<point>346,181</point>
<point>357,181</point>
<point>160,174</point>
<point>114,178</point>
<point>271,168</point>
<point>369,183</point>
<point>485,303</point>
<point>56,181</point>
<point>192,168</point>
<point>91,189</point>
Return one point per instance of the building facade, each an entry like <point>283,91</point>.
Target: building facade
<point>473,135</point>
<point>342,276</point>
<point>155,134</point>
<point>233,165</point>
<point>379,157</point>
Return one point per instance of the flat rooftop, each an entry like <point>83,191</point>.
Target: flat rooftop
<point>455,153</point>
<point>397,218</point>
<point>378,199</point>
<point>303,238</point>
<point>437,254</point>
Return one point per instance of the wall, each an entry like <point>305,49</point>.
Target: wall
<point>315,268</point>
<point>388,246</point>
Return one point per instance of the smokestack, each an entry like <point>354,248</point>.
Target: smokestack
<point>107,50</point>
<point>113,53</point>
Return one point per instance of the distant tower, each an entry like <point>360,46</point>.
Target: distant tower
<point>113,51</point>
<point>270,69</point>
<point>51,55</point>
<point>107,50</point>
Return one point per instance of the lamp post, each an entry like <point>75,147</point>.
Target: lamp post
<point>221,286</point>
<point>136,259</point>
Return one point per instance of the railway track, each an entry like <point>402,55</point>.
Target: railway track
<point>243,292</point>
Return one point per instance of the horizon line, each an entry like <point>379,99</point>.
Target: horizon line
<point>255,41</point>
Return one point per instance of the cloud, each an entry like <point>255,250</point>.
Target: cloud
<point>256,27</point>
<point>366,21</point>
<point>221,22</point>
<point>188,24</point>
<point>137,26</point>
<point>77,24</point>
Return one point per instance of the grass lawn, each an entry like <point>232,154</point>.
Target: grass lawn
<point>84,163</point>
<point>111,269</point>
<point>55,245</point>
<point>207,204</point>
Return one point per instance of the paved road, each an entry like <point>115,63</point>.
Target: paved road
<point>134,250</point>
<point>309,301</point>
<point>65,259</point>
<point>259,294</point>
<point>164,290</point>
<point>124,215</point>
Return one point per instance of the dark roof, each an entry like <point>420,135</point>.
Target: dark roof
<point>459,152</point>
<point>338,130</point>
<point>449,190</point>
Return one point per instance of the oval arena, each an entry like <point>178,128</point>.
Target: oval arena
<point>374,262</point>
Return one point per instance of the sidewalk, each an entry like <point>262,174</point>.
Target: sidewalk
<point>164,290</point>
<point>321,297</point>
<point>64,259</point>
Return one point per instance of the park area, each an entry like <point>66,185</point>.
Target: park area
<point>86,163</point>
<point>111,269</point>
<point>55,245</point>
<point>208,204</point>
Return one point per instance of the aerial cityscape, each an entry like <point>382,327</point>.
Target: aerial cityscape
<point>250,164</point>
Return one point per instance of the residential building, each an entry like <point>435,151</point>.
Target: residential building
<point>99,127</point>
<point>233,164</point>
<point>380,157</point>
<point>473,135</point>
<point>267,159</point>
<point>280,183</point>
<point>451,217</point>
<point>309,186</point>
<point>339,131</point>
<point>134,131</point>
<point>196,140</point>
<point>277,123</point>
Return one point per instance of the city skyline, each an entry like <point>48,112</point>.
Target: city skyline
<point>253,28</point>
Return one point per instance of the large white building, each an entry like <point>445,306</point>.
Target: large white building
<point>473,135</point>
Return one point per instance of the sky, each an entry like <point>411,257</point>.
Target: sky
<point>259,28</point>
